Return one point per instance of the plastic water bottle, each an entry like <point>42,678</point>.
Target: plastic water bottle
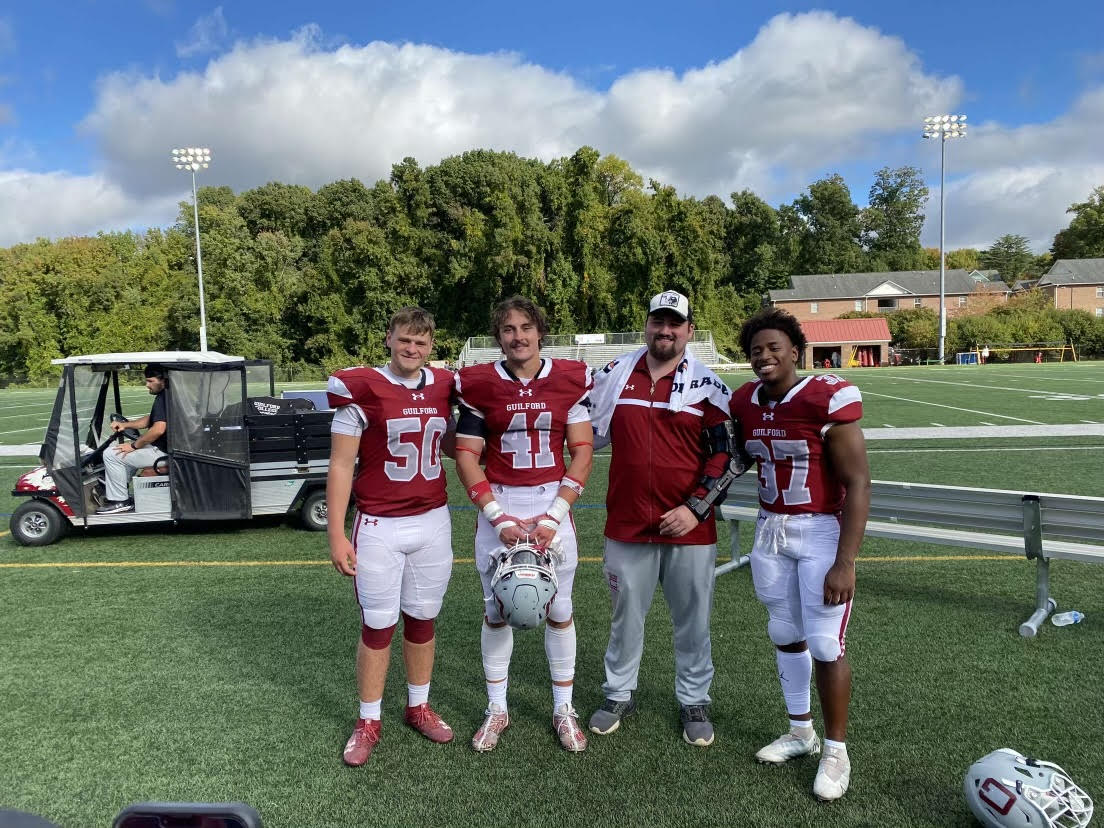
<point>1063,619</point>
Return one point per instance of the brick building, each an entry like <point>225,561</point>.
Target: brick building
<point>828,295</point>
<point>1075,283</point>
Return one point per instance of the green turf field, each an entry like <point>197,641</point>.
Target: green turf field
<point>216,663</point>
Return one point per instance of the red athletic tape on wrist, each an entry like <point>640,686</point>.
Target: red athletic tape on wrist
<point>478,490</point>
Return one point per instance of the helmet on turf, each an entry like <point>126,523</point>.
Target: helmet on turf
<point>1008,790</point>
<point>524,584</point>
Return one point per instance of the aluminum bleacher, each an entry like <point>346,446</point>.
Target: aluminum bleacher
<point>585,347</point>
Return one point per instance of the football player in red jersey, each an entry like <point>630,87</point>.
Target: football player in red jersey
<point>393,420</point>
<point>814,498</point>
<point>516,414</point>
<point>666,415</point>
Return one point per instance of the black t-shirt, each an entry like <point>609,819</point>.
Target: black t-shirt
<point>157,415</point>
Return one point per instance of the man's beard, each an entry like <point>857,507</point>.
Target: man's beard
<point>661,348</point>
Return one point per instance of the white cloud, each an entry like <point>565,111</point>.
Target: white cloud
<point>208,34</point>
<point>809,94</point>
<point>1020,179</point>
<point>35,205</point>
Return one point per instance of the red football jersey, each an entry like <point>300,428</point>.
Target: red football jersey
<point>399,470</point>
<point>787,440</point>
<point>524,423</point>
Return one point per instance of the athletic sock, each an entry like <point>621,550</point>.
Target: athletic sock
<point>370,710</point>
<point>416,694</point>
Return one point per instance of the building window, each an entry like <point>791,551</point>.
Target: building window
<point>887,304</point>
<point>962,301</point>
<point>918,302</point>
<point>814,307</point>
<point>1100,293</point>
<point>1100,311</point>
<point>858,304</point>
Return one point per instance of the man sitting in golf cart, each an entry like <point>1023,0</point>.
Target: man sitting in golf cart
<point>121,461</point>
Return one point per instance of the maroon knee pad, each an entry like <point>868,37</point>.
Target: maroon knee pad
<point>375,639</point>
<point>417,630</point>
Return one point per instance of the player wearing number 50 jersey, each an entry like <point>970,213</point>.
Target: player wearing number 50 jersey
<point>517,414</point>
<point>388,426</point>
<point>814,498</point>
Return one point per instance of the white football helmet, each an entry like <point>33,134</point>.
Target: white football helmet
<point>1008,790</point>
<point>524,584</point>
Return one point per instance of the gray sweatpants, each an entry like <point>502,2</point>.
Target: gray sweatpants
<point>118,468</point>
<point>686,573</point>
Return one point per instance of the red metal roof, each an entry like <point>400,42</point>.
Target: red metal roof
<point>839,331</point>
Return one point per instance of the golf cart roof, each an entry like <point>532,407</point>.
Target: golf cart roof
<point>145,357</point>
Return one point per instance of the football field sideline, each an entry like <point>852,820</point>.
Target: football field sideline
<point>201,564</point>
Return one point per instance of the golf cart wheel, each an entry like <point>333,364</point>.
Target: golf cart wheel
<point>313,513</point>
<point>37,523</point>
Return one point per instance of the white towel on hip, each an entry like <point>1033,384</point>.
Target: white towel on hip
<point>694,382</point>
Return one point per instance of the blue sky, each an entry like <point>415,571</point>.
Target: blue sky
<point>708,96</point>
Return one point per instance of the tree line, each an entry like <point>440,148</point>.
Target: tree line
<point>309,278</point>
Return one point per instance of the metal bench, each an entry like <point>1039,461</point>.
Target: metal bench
<point>1040,526</point>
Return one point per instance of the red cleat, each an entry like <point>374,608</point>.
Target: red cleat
<point>359,747</point>
<point>425,720</point>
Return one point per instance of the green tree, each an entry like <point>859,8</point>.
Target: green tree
<point>1011,256</point>
<point>1084,238</point>
<point>892,222</point>
<point>831,229</point>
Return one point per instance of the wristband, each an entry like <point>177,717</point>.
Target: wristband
<point>499,520</point>
<point>573,484</point>
<point>555,514</point>
<point>478,490</point>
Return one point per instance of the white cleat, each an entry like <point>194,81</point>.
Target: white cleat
<point>565,721</point>
<point>833,775</point>
<point>486,738</point>
<point>798,742</point>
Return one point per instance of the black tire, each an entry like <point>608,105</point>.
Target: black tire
<point>312,514</point>
<point>37,523</point>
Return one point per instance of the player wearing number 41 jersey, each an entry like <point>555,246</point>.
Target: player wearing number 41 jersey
<point>517,414</point>
<point>814,498</point>
<point>388,426</point>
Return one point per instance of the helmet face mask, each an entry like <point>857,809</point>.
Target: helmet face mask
<point>1006,789</point>
<point>524,584</point>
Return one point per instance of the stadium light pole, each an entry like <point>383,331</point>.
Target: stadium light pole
<point>192,159</point>
<point>943,127</point>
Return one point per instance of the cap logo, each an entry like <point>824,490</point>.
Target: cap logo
<point>669,300</point>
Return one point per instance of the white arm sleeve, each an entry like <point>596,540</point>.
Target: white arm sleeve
<point>350,420</point>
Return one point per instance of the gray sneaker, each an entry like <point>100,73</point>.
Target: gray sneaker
<point>607,718</point>
<point>697,729</point>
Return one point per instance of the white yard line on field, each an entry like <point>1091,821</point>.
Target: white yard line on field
<point>19,451</point>
<point>953,408</point>
<point>978,385</point>
<point>939,424</point>
<point>974,432</point>
<point>999,450</point>
<point>21,430</point>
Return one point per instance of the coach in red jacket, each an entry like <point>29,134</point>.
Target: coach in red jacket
<point>655,406</point>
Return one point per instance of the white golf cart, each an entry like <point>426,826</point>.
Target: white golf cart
<point>235,451</point>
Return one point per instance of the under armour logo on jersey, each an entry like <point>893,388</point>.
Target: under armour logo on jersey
<point>417,396</point>
<point>525,392</point>
<point>630,387</point>
<point>768,415</point>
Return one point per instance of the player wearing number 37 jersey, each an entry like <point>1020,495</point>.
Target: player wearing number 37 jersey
<point>814,498</point>
<point>516,415</point>
<point>388,427</point>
